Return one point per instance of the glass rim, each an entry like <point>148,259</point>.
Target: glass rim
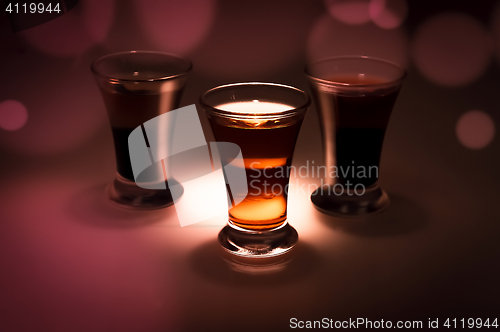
<point>356,57</point>
<point>283,113</point>
<point>162,78</point>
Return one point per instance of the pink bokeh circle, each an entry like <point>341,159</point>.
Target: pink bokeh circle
<point>452,49</point>
<point>65,112</point>
<point>388,14</point>
<point>349,11</point>
<point>475,129</point>
<point>13,115</point>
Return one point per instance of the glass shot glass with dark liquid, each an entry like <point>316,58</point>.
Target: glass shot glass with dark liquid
<point>354,97</point>
<point>264,120</point>
<point>137,86</point>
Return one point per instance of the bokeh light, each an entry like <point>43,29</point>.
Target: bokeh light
<point>74,32</point>
<point>388,14</point>
<point>330,37</point>
<point>349,11</point>
<point>452,49</point>
<point>475,129</point>
<point>13,115</point>
<point>176,26</point>
<point>65,111</point>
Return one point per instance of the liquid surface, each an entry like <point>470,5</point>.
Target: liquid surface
<point>254,107</point>
<point>358,79</point>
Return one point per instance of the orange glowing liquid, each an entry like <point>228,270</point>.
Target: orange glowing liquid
<point>265,204</point>
<point>267,147</point>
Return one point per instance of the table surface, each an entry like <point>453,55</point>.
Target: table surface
<point>71,261</point>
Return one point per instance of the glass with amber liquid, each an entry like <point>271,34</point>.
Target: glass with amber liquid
<point>264,120</point>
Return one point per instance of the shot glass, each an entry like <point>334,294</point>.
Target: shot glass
<point>354,97</point>
<point>137,86</point>
<point>263,119</point>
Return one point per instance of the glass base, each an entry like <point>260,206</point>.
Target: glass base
<point>258,244</point>
<point>127,194</point>
<point>349,203</point>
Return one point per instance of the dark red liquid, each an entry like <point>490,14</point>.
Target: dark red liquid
<point>361,118</point>
<point>123,165</point>
<point>129,108</point>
